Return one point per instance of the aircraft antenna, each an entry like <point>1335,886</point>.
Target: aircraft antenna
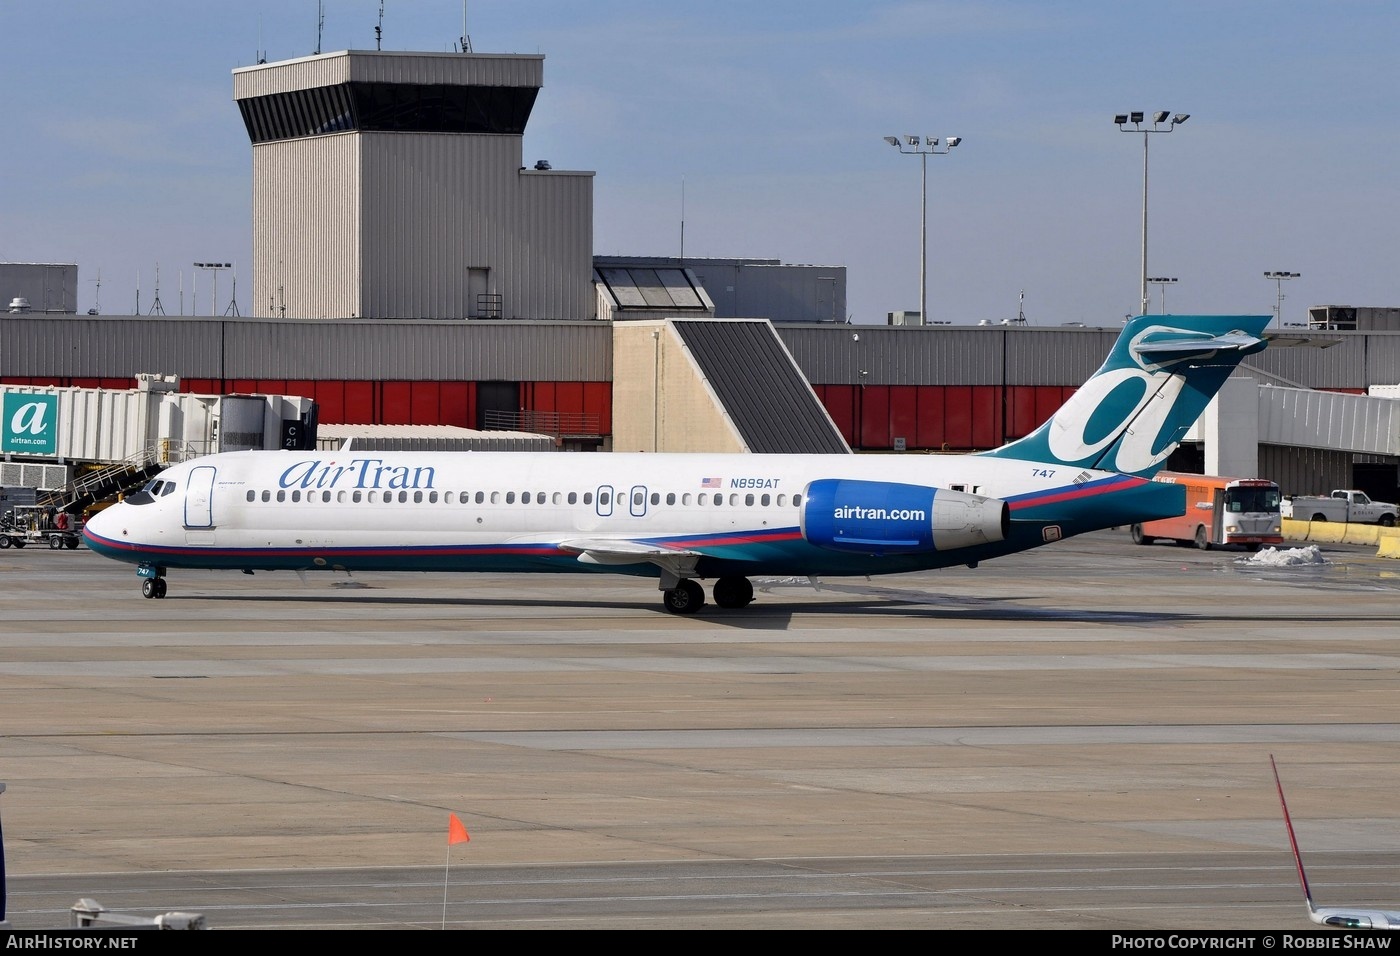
<point>156,307</point>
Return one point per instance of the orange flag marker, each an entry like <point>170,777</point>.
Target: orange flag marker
<point>456,832</point>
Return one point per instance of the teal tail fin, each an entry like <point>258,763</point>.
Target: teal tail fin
<point>1131,414</point>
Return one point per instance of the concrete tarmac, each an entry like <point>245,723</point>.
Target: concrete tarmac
<point>1073,738</point>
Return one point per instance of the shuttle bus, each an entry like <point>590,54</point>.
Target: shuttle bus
<point>1243,511</point>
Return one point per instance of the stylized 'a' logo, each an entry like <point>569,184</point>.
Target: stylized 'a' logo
<point>29,417</point>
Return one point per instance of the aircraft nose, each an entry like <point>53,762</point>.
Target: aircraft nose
<point>101,525</point>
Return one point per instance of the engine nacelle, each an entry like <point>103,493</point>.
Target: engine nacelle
<point>881,517</point>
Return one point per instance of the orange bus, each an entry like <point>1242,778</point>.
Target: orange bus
<point>1243,511</point>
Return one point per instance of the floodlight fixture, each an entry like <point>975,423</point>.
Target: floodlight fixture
<point>1278,276</point>
<point>1158,118</point>
<point>923,147</point>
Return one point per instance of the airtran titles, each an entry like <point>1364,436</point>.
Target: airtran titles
<point>356,473</point>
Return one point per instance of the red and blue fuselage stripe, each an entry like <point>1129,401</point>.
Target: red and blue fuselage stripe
<point>1075,508</point>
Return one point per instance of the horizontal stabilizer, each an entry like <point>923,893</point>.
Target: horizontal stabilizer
<point>1233,342</point>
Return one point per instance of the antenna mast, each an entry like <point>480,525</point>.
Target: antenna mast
<point>320,23</point>
<point>379,28</point>
<point>233,301</point>
<point>465,41</point>
<point>156,307</point>
<point>682,218</point>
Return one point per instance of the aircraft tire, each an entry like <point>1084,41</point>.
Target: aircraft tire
<point>685,598</point>
<point>148,588</point>
<point>1202,539</point>
<point>160,587</point>
<point>733,592</point>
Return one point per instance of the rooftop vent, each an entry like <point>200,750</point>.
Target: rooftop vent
<point>19,304</point>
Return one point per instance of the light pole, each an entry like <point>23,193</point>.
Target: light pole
<point>214,267</point>
<point>1122,120</point>
<point>1161,282</point>
<point>923,149</point>
<point>1278,278</point>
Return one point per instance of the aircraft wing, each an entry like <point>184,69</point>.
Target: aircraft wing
<point>611,551</point>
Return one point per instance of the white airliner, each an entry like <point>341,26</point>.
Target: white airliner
<point>1343,917</point>
<point>682,518</point>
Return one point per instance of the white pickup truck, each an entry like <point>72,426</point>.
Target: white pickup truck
<point>1343,504</point>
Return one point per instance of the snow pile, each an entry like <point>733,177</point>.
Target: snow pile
<point>1284,557</point>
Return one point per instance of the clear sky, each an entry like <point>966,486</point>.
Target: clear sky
<point>760,125</point>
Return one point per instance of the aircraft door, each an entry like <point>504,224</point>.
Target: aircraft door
<point>605,501</point>
<point>638,501</point>
<point>199,507</point>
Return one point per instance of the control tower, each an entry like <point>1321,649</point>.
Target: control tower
<point>391,185</point>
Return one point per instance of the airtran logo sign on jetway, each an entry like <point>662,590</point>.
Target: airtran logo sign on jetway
<point>30,424</point>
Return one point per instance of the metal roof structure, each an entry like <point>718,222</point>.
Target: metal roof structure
<point>760,387</point>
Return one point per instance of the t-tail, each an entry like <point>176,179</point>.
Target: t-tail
<point>1134,411</point>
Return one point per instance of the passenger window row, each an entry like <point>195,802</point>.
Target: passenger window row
<point>605,499</point>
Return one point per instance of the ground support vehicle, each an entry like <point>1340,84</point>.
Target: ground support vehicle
<point>1219,511</point>
<point>31,524</point>
<point>1343,504</point>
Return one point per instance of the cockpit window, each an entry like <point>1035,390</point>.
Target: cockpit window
<point>169,487</point>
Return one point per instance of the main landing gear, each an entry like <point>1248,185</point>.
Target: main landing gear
<point>687,596</point>
<point>153,581</point>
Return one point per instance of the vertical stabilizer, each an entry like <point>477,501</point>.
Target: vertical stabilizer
<point>1134,411</point>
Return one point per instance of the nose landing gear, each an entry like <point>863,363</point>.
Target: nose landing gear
<point>153,583</point>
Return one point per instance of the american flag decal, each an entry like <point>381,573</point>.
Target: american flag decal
<point>710,482</point>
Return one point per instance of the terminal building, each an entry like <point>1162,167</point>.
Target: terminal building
<point>413,268</point>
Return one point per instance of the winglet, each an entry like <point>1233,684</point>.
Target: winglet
<point>1292,840</point>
